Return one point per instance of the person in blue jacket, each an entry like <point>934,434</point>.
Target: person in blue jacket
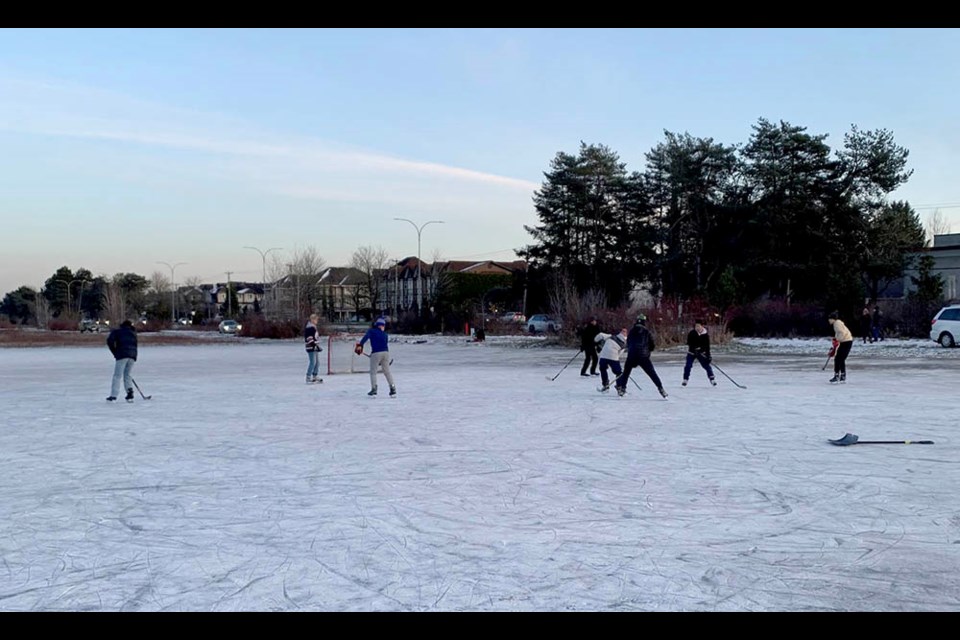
<point>122,343</point>
<point>379,356</point>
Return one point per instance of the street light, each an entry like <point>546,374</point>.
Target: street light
<point>173,290</point>
<point>419,283</point>
<point>263,257</point>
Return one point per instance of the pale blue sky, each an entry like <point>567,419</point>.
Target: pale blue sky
<point>122,148</point>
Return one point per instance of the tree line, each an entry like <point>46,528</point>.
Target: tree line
<point>781,216</point>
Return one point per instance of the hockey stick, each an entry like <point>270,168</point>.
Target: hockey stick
<point>850,438</point>
<point>565,366</point>
<point>728,377</point>
<point>138,389</point>
<point>388,364</point>
<point>824,367</point>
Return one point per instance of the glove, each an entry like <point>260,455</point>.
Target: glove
<point>358,349</point>
<point>832,353</point>
<point>836,343</point>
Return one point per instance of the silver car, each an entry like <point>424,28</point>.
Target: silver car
<point>542,323</point>
<point>230,326</point>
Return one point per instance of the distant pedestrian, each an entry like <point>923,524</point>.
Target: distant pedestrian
<point>379,356</point>
<point>639,346</point>
<point>312,344</point>
<point>122,343</point>
<point>842,336</point>
<point>612,347</point>
<point>866,325</point>
<point>877,324</point>
<point>698,348</point>
<point>587,343</point>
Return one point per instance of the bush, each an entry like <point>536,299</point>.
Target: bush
<point>775,318</point>
<point>62,324</point>
<point>256,326</point>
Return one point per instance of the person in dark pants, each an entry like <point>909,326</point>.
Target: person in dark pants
<point>122,343</point>
<point>639,345</point>
<point>610,355</point>
<point>877,324</point>
<point>588,345</point>
<point>845,339</point>
<point>866,325</point>
<point>698,348</point>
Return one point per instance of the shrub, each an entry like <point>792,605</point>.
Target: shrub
<point>256,326</point>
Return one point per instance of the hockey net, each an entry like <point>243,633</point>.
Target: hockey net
<point>340,355</point>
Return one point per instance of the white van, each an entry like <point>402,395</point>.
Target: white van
<point>945,326</point>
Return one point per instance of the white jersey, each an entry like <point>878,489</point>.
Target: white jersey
<point>613,345</point>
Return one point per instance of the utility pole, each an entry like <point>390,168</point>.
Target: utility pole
<point>229,303</point>
<point>173,290</point>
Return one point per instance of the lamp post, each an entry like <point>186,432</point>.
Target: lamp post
<point>419,282</point>
<point>173,290</point>
<point>263,257</point>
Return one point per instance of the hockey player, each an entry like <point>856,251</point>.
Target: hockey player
<point>612,347</point>
<point>122,343</point>
<point>698,348</point>
<point>842,335</point>
<point>312,344</point>
<point>588,334</point>
<point>379,356</point>
<point>639,345</point>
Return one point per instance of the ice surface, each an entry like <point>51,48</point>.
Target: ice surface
<point>483,486</point>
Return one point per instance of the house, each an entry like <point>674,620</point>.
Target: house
<point>343,293</point>
<point>946,255</point>
<point>407,283</point>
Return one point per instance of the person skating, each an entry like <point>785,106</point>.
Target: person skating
<point>877,324</point>
<point>698,348</point>
<point>845,339</point>
<point>613,345</point>
<point>639,345</point>
<point>122,343</point>
<point>588,345</point>
<point>312,344</point>
<point>379,356</point>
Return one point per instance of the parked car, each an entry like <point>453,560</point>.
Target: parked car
<point>513,316</point>
<point>945,326</point>
<point>93,326</point>
<point>230,326</point>
<point>542,323</point>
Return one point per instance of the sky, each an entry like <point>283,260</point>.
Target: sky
<point>482,486</point>
<point>127,148</point>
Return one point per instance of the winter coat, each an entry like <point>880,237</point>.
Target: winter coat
<point>122,343</point>
<point>587,335</point>
<point>613,345</point>
<point>639,343</point>
<point>378,340</point>
<point>840,332</point>
<point>698,342</point>
<point>310,337</point>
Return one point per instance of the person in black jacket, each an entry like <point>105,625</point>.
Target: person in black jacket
<point>588,345</point>
<point>698,348</point>
<point>639,345</point>
<point>122,343</point>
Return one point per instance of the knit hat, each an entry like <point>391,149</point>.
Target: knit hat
<point>642,319</point>
<point>380,323</point>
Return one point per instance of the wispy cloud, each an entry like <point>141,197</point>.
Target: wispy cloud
<point>65,110</point>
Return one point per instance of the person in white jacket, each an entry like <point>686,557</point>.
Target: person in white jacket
<point>842,336</point>
<point>613,346</point>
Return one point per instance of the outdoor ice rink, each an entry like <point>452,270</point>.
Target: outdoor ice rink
<point>483,486</point>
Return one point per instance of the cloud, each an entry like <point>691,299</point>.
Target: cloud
<point>66,110</point>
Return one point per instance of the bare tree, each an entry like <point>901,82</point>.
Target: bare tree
<point>113,303</point>
<point>936,225</point>
<point>372,261</point>
<point>306,266</point>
